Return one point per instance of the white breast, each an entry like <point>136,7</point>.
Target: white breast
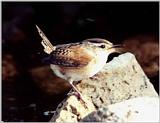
<point>101,59</point>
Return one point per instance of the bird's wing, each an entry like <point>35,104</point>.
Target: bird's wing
<point>72,56</point>
<point>48,47</point>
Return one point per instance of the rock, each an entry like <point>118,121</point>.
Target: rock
<point>120,79</point>
<point>140,109</point>
<point>73,110</point>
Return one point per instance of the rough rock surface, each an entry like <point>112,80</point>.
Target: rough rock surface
<point>120,79</point>
<point>73,110</point>
<point>140,109</point>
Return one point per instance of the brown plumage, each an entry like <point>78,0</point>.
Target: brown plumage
<point>70,56</point>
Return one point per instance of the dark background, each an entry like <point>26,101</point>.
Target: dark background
<point>62,22</point>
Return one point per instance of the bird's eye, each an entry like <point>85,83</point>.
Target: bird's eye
<point>102,46</point>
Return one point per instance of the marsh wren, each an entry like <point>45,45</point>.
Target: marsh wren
<point>77,61</point>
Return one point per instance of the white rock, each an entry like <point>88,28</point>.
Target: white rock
<point>121,79</point>
<point>140,109</point>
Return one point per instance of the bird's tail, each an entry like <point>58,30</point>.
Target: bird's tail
<point>48,47</point>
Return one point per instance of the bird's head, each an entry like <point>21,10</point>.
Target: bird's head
<point>103,45</point>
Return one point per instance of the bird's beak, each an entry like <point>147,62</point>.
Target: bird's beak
<point>116,46</point>
<point>119,48</point>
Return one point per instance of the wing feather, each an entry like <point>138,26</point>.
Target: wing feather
<point>71,57</point>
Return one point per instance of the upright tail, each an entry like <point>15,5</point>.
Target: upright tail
<point>48,47</point>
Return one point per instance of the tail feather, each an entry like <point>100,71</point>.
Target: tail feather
<point>48,47</point>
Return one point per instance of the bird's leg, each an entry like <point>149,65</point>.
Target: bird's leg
<point>79,94</point>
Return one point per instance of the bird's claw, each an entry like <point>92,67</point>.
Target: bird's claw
<point>78,95</point>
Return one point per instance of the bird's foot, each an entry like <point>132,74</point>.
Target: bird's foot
<point>79,96</point>
<point>76,94</point>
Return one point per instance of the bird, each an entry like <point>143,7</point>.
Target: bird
<point>78,61</point>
